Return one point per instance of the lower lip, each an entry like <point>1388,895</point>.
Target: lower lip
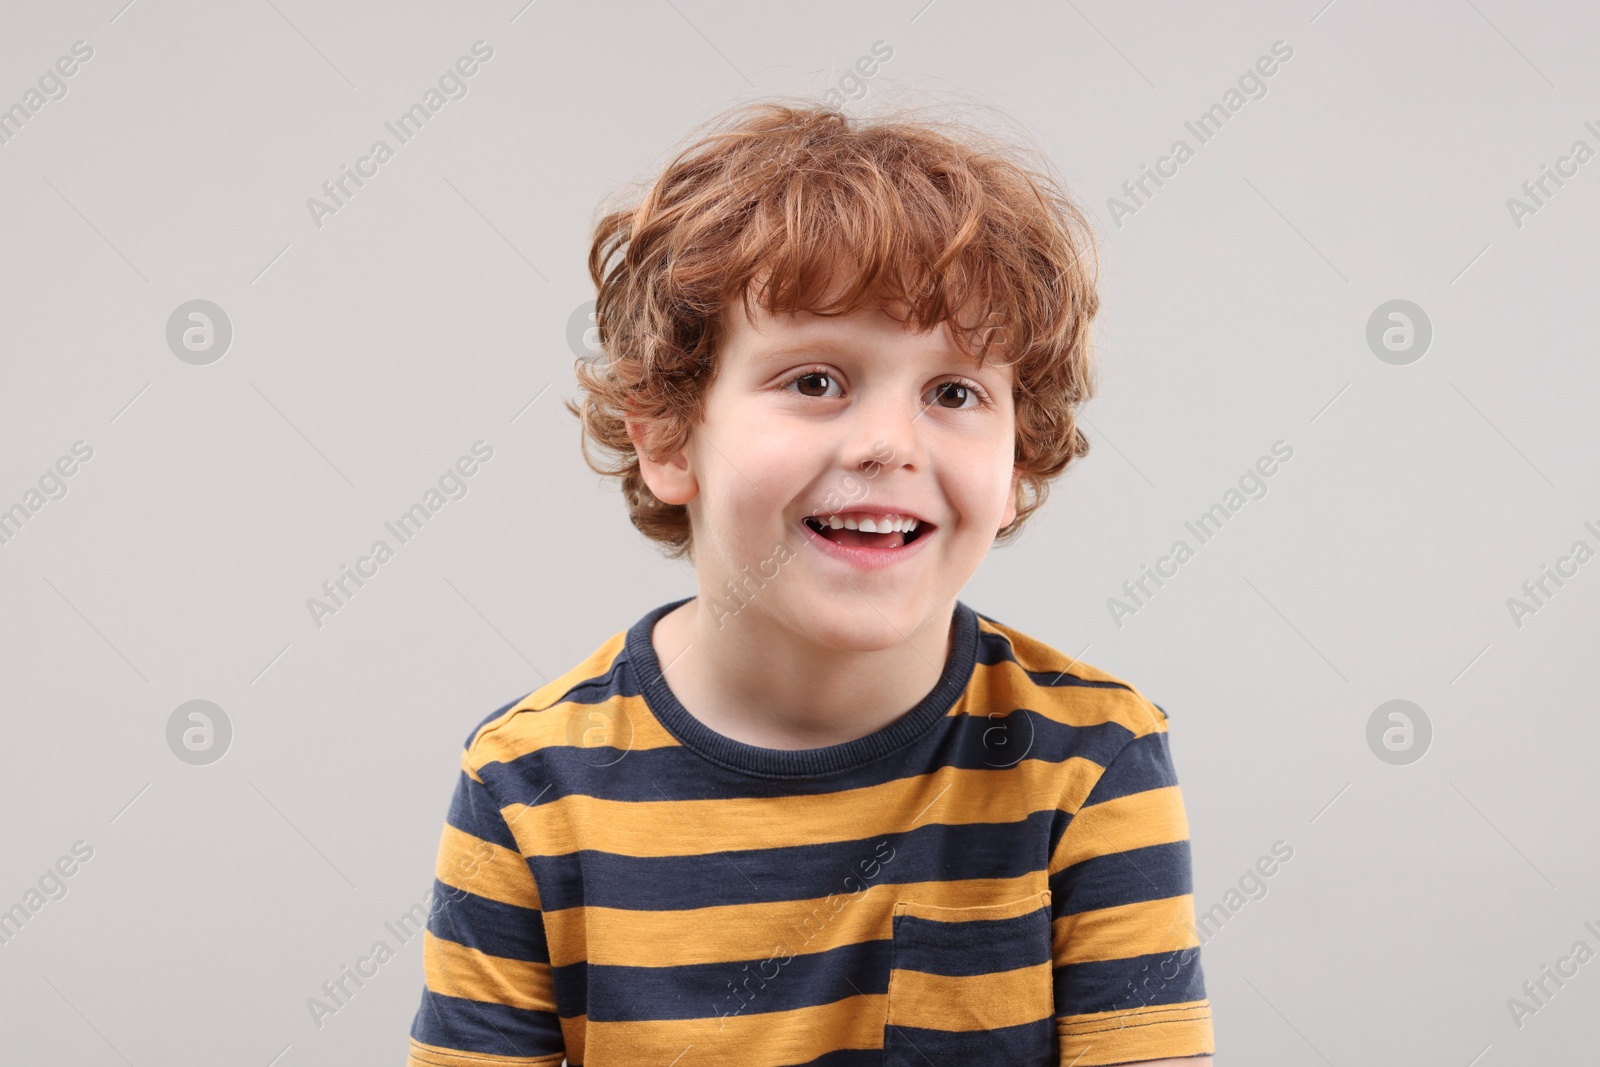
<point>867,559</point>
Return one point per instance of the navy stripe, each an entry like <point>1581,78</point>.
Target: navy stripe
<point>1028,1043</point>
<point>1144,763</point>
<point>930,853</point>
<point>456,1023</point>
<point>702,991</point>
<point>847,1057</point>
<point>474,811</point>
<point>974,947</point>
<point>1154,872</point>
<point>487,925</point>
<point>601,687</point>
<point>1129,984</point>
<point>969,742</point>
<point>1058,827</point>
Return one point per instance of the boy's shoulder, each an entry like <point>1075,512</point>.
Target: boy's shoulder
<point>1020,670</point>
<point>519,727</point>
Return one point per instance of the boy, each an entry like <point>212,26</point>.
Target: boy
<point>823,812</point>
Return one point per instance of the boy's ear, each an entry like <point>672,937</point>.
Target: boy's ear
<point>1010,514</point>
<point>669,479</point>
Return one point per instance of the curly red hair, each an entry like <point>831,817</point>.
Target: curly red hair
<point>932,216</point>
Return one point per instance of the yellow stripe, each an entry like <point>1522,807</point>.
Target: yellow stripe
<point>976,1002</point>
<point>596,665</point>
<point>1006,685</point>
<point>458,971</point>
<point>1153,817</point>
<point>621,938</point>
<point>655,828</point>
<point>423,1055</point>
<point>1075,705</point>
<point>622,722</point>
<point>795,1036</point>
<point>538,721</point>
<point>1125,930</point>
<point>1154,1032</point>
<point>1040,658</point>
<point>574,1033</point>
<point>485,869</point>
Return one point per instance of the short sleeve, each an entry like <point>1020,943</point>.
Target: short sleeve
<point>488,994</point>
<point>1128,982</point>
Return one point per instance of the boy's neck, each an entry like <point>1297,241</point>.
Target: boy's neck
<point>760,683</point>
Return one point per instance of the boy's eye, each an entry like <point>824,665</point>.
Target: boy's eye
<point>815,383</point>
<point>953,395</point>
<point>956,391</point>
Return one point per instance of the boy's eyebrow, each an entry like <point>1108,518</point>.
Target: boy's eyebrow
<point>788,350</point>
<point>803,348</point>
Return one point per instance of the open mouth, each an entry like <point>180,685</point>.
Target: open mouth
<point>858,538</point>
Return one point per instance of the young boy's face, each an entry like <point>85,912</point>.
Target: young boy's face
<point>850,415</point>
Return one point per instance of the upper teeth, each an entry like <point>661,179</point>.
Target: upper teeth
<point>883,524</point>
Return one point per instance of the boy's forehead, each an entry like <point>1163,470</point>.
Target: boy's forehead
<point>765,335</point>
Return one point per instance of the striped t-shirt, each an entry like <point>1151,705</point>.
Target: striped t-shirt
<point>1000,876</point>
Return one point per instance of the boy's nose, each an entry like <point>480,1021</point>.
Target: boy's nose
<point>887,435</point>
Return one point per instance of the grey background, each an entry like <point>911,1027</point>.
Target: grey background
<point>432,311</point>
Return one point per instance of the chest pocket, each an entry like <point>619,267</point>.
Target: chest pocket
<point>971,985</point>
